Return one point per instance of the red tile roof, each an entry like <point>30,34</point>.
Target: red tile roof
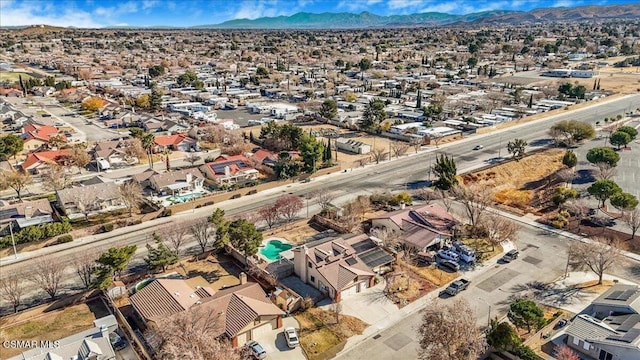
<point>169,139</point>
<point>48,157</point>
<point>40,132</point>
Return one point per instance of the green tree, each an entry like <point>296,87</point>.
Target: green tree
<point>624,201</point>
<point>159,256</point>
<point>603,190</point>
<point>339,63</point>
<point>570,159</point>
<point>517,148</point>
<point>112,263</point>
<point>311,151</point>
<point>373,115</point>
<point>10,145</point>
<point>364,65</point>
<point>445,169</point>
<point>629,130</point>
<point>262,71</point>
<point>603,155</point>
<point>148,143</point>
<point>568,132</point>
<point>155,100</point>
<point>217,218</point>
<point>620,139</point>
<point>244,237</point>
<point>156,70</point>
<point>502,336</point>
<point>329,109</point>
<point>187,79</point>
<point>472,62</point>
<point>50,81</point>
<point>525,314</point>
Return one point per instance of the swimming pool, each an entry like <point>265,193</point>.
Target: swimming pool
<point>183,198</point>
<point>273,248</point>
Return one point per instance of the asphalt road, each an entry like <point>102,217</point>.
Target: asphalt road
<point>542,258</point>
<point>395,174</point>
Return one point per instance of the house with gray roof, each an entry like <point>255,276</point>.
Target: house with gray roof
<point>91,344</point>
<point>90,200</point>
<point>609,329</point>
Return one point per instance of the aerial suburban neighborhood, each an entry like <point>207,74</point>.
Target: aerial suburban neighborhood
<point>318,180</point>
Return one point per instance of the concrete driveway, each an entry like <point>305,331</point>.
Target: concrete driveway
<point>370,305</point>
<point>275,344</point>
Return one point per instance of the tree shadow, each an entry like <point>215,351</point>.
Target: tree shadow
<point>210,276</point>
<point>584,176</point>
<point>548,293</point>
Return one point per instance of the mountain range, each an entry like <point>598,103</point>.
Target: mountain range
<point>345,20</point>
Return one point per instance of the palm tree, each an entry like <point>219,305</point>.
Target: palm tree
<point>147,144</point>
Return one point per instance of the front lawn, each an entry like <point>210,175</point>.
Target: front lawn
<point>321,337</point>
<point>483,248</point>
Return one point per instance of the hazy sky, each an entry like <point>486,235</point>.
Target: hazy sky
<point>100,13</point>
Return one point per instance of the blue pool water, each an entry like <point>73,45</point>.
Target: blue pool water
<point>183,198</point>
<point>273,249</point>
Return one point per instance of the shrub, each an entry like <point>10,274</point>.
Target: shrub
<point>64,239</point>
<point>37,233</point>
<point>525,353</point>
<point>107,227</point>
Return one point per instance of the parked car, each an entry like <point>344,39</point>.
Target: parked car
<point>510,256</point>
<point>291,336</point>
<point>478,147</point>
<point>457,286</point>
<point>449,265</point>
<point>465,253</point>
<point>448,255</point>
<point>256,350</point>
<point>560,324</point>
<point>117,342</point>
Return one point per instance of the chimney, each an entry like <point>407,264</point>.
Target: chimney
<point>104,331</point>
<point>189,178</point>
<point>227,171</point>
<point>28,212</point>
<point>243,278</point>
<point>402,205</point>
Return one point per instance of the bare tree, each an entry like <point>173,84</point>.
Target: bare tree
<point>427,194</point>
<point>133,150</point>
<point>598,256</point>
<point>563,352</point>
<point>176,236</point>
<point>399,148</point>
<point>632,220</point>
<point>449,331</point>
<point>475,199</point>
<point>417,144</point>
<point>192,334</point>
<point>324,199</point>
<point>84,264</point>
<point>499,229</point>
<point>605,171</point>
<point>378,154</point>
<point>288,206</point>
<point>47,273</point>
<point>579,208</point>
<point>18,181</point>
<point>389,238</point>
<point>80,158</point>
<point>204,232</point>
<point>269,214</point>
<point>132,194</point>
<point>192,158</point>
<point>336,309</point>
<point>446,200</point>
<point>566,175</point>
<point>12,288</point>
<point>55,178</point>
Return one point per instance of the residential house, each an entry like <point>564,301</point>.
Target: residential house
<point>422,227</point>
<point>91,344</point>
<point>353,146</point>
<point>178,142</point>
<point>177,182</point>
<point>26,213</point>
<point>370,253</point>
<point>609,328</point>
<point>228,170</point>
<point>90,200</point>
<point>143,177</point>
<point>245,311</point>
<point>40,161</point>
<point>333,267</point>
<point>115,153</point>
<point>36,136</point>
<point>270,158</point>
<point>10,93</point>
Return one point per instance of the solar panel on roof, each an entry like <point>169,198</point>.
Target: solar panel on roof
<point>351,261</point>
<point>614,295</point>
<point>8,213</point>
<point>626,295</point>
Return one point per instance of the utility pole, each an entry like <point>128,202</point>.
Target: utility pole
<point>500,148</point>
<point>566,270</point>
<point>13,241</point>
<point>488,314</point>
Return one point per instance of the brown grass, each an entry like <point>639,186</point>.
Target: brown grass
<point>209,272</point>
<point>593,287</point>
<point>320,333</point>
<point>295,232</point>
<point>52,326</point>
<point>483,248</point>
<point>434,275</point>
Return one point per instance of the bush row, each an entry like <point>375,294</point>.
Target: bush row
<point>37,233</point>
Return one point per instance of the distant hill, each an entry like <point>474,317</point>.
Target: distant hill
<point>583,13</point>
<point>304,20</point>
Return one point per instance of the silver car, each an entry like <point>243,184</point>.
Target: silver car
<point>291,336</point>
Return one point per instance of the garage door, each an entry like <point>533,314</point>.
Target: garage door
<point>364,285</point>
<point>349,292</point>
<point>242,338</point>
<point>265,328</point>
